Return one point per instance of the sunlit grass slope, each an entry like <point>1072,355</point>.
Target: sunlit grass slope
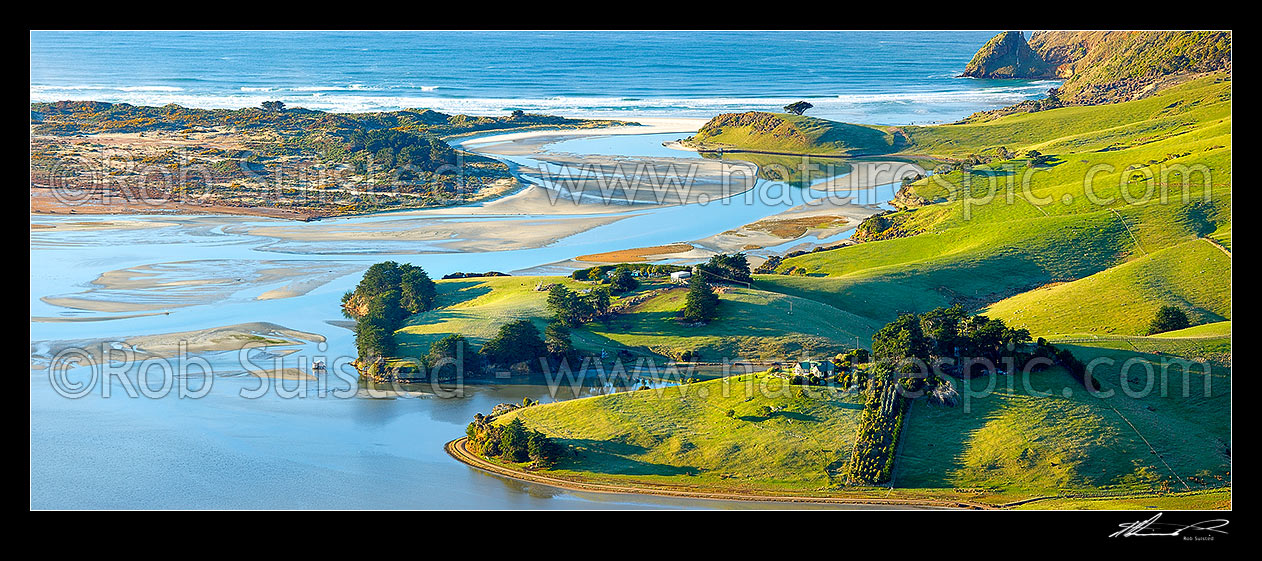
<point>1021,443</point>
<point>752,323</point>
<point>1008,228</point>
<point>1194,276</point>
<point>683,435</point>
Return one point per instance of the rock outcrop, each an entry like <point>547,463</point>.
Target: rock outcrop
<point>1099,66</point>
<point>1007,55</point>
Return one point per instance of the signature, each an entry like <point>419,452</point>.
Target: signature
<point>1151,527</point>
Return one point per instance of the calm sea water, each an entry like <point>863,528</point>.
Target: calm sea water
<point>872,77</point>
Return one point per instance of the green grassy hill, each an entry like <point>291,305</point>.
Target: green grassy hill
<point>1006,228</point>
<point>797,134</point>
<point>682,436</point>
<point>1018,442</point>
<point>753,323</point>
<point>1194,276</point>
<point>1004,445</point>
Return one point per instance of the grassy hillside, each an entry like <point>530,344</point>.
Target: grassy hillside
<point>1084,128</point>
<point>1016,441</point>
<point>797,134</point>
<point>1194,276</point>
<point>752,323</point>
<point>683,435</point>
<point>1004,445</point>
<point>1006,228</point>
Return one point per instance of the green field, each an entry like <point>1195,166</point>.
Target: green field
<point>1017,442</point>
<point>1004,446</point>
<point>753,324</point>
<point>1122,300</point>
<point>682,435</point>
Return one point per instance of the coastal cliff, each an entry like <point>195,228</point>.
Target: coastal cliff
<point>1007,55</point>
<point>1102,66</point>
<point>1111,66</point>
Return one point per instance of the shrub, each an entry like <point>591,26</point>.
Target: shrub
<point>701,305</point>
<point>1168,318</point>
<point>515,342</point>
<point>446,353</point>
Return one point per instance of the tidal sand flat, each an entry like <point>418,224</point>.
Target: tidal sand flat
<point>170,345</point>
<point>163,286</point>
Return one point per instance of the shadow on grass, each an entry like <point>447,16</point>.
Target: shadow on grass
<point>602,456</point>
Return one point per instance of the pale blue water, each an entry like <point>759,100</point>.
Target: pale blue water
<point>872,77</point>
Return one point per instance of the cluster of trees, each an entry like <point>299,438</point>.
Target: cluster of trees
<point>515,342</point>
<point>383,299</point>
<point>513,442</point>
<point>460,275</point>
<point>601,272</point>
<point>911,346</point>
<point>915,342</point>
<point>880,424</point>
<point>622,281</point>
<point>572,309</point>
<point>450,353</point>
<point>390,149</point>
<point>730,268</point>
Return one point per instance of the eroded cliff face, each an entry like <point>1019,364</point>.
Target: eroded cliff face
<point>1112,66</point>
<point>1103,66</point>
<point>1007,55</point>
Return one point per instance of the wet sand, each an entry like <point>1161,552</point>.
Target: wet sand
<point>163,286</point>
<point>171,345</point>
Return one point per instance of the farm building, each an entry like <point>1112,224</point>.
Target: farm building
<point>804,368</point>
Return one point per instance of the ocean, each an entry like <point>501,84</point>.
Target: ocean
<point>891,78</point>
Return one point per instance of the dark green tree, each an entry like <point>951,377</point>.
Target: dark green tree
<point>701,304</point>
<point>451,352</point>
<point>514,441</point>
<point>727,268</point>
<point>798,107</point>
<point>623,281</point>
<point>566,306</point>
<point>515,342</point>
<point>1168,318</point>
<point>597,302</point>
